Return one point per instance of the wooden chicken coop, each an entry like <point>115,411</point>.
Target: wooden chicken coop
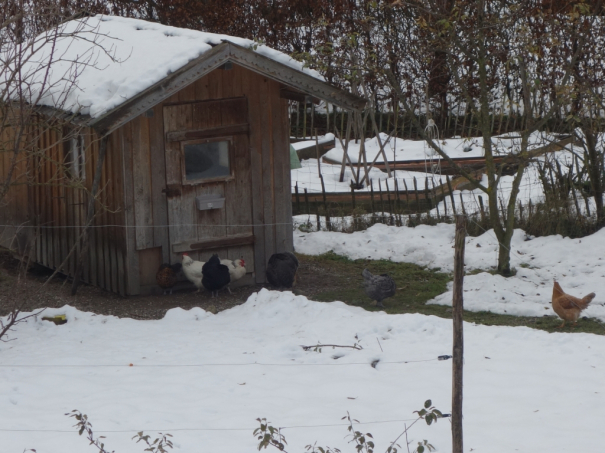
<point>198,162</point>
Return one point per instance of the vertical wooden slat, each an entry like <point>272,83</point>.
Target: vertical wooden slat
<point>268,181</point>
<point>119,232</point>
<point>238,205</point>
<point>173,178</point>
<point>94,275</point>
<point>105,231</point>
<point>287,185</point>
<point>209,223</point>
<point>141,177</point>
<point>44,198</point>
<point>250,83</point>
<point>158,182</point>
<point>281,159</point>
<point>187,216</point>
<point>131,255</point>
<point>215,84</point>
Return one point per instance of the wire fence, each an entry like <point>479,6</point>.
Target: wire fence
<point>171,366</point>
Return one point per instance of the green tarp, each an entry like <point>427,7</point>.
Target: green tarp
<point>294,161</point>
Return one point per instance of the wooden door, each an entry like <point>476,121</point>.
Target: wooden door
<point>208,153</point>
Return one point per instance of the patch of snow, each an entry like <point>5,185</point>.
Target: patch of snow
<point>577,264</point>
<point>206,378</point>
<point>102,61</point>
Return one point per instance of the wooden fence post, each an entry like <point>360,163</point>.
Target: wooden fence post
<point>458,348</point>
<point>307,202</point>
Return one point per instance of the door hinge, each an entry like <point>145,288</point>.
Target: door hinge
<point>172,191</point>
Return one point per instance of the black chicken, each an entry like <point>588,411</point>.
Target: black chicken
<point>378,287</point>
<point>281,270</point>
<point>166,276</point>
<point>215,276</point>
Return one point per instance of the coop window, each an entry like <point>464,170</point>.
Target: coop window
<point>206,160</point>
<point>77,157</point>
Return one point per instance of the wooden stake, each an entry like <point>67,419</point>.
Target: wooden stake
<point>407,195</point>
<point>482,209</point>
<point>416,195</point>
<point>323,192</point>
<point>390,204</point>
<point>462,204</point>
<point>372,197</point>
<point>297,198</point>
<point>297,119</point>
<point>435,200</point>
<point>381,200</point>
<point>307,202</point>
<point>449,186</point>
<point>458,349</point>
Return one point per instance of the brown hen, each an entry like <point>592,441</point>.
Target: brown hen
<point>167,276</point>
<point>568,307</point>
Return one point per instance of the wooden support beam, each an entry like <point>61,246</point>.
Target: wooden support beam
<point>293,95</point>
<point>215,243</point>
<point>178,136</point>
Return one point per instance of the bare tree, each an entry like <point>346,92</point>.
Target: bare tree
<point>490,46</point>
<point>38,93</point>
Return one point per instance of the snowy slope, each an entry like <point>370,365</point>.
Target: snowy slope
<point>206,378</point>
<point>118,58</point>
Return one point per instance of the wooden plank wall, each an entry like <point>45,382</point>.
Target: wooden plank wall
<point>145,205</point>
<point>134,175</point>
<point>55,203</point>
<point>14,231</point>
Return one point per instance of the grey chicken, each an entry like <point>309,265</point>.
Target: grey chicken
<point>378,287</point>
<point>281,270</point>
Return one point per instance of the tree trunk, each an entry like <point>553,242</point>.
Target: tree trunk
<point>595,174</point>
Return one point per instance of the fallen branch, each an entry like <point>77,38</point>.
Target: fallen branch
<point>318,346</point>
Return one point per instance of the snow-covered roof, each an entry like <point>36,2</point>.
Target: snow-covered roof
<point>113,59</point>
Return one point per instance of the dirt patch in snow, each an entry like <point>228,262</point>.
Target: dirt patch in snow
<point>313,279</point>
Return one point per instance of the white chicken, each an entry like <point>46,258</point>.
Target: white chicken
<point>193,270</point>
<point>237,268</point>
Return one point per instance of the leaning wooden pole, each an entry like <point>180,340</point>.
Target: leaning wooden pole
<point>458,349</point>
<point>90,214</point>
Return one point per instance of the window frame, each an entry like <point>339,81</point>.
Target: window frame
<point>193,182</point>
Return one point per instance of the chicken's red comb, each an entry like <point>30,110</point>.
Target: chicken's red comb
<point>185,254</point>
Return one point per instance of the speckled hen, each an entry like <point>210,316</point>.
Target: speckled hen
<point>378,287</point>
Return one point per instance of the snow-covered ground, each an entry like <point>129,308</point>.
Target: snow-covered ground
<point>577,264</point>
<point>407,150</point>
<point>205,379</point>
